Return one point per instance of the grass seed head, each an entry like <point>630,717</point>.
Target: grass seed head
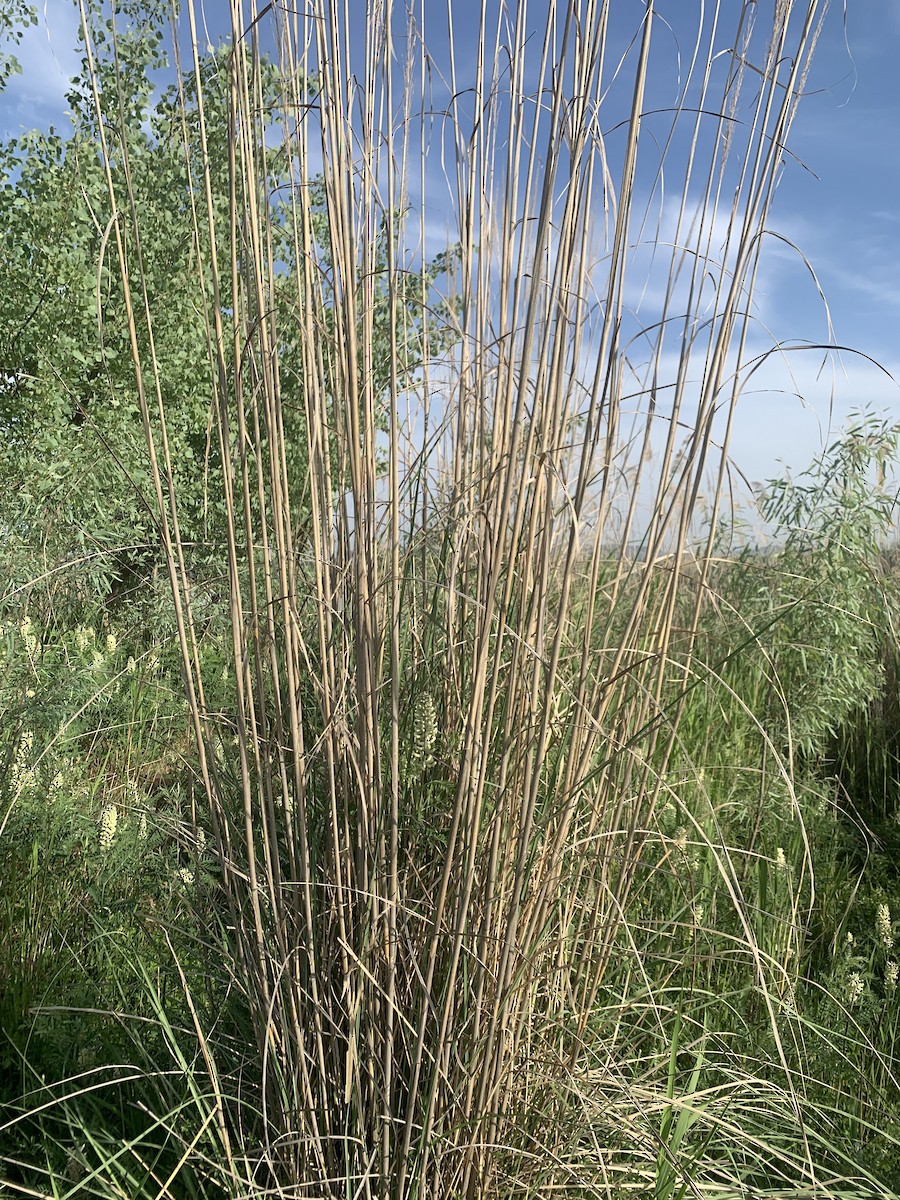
<point>855,988</point>
<point>109,819</point>
<point>883,928</point>
<point>424,732</point>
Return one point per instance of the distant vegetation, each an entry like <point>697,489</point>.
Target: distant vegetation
<point>405,793</point>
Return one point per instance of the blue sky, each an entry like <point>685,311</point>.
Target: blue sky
<point>841,208</point>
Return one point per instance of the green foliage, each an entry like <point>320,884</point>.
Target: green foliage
<point>800,628</point>
<point>86,851</point>
<point>15,17</point>
<point>790,685</point>
<point>832,618</point>
<point>74,476</point>
<point>106,872</point>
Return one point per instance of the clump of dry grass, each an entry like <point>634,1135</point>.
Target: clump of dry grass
<point>454,669</point>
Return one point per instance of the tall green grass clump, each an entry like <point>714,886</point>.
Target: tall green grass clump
<point>466,885</point>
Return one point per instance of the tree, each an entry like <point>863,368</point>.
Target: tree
<point>74,480</point>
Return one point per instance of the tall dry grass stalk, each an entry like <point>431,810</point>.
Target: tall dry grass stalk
<point>454,668</point>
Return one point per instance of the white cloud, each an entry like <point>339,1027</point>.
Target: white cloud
<point>795,406</point>
<point>667,243</point>
<point>792,404</point>
<point>887,293</point>
<point>49,57</point>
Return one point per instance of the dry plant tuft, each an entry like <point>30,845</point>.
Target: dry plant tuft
<point>457,634</point>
